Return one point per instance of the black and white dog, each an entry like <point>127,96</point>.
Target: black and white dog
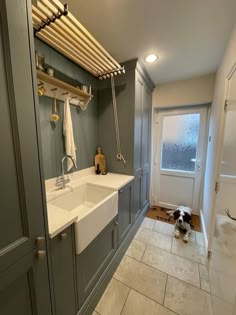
<point>182,216</point>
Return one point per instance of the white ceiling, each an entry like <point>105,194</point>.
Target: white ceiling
<point>188,35</point>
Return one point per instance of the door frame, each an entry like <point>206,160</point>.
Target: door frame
<point>156,139</point>
<point>219,156</point>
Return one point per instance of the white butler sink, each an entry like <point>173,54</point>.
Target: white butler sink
<point>95,208</point>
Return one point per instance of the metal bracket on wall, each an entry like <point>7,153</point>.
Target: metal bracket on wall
<point>226,106</point>
<point>217,187</point>
<point>52,19</point>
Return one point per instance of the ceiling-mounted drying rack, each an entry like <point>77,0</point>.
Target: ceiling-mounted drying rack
<point>54,87</point>
<point>54,24</point>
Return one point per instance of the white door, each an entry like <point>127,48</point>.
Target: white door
<point>222,265</point>
<point>178,157</point>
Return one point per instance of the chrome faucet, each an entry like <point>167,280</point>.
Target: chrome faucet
<point>63,180</point>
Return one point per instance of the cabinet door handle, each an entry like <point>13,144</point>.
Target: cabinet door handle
<point>63,236</point>
<point>41,254</point>
<point>40,240</point>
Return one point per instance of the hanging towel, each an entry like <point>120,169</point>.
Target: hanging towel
<point>68,134</point>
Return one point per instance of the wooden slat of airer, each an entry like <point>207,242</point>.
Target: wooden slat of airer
<point>45,37</point>
<point>49,32</point>
<point>60,6</point>
<point>63,46</point>
<point>75,29</point>
<point>60,31</point>
<point>48,41</point>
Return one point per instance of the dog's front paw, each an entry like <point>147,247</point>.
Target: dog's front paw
<point>177,234</point>
<point>185,238</point>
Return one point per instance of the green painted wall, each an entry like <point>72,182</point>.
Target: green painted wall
<point>85,123</point>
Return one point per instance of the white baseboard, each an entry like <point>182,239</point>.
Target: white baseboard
<point>204,229</point>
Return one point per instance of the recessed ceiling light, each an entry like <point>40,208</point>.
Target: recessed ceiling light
<point>151,58</point>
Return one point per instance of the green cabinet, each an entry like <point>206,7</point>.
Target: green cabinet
<point>134,103</point>
<point>125,207</point>
<point>92,262</point>
<point>143,102</point>
<point>64,285</point>
<point>24,282</point>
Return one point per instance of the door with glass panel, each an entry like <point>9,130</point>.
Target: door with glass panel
<point>178,157</point>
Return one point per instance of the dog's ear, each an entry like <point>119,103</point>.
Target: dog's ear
<point>187,217</point>
<point>176,214</point>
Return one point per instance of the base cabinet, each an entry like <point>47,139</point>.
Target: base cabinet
<point>64,273</point>
<point>92,262</point>
<point>125,207</point>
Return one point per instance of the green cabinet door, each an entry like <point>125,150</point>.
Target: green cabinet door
<point>64,272</point>
<point>125,207</point>
<point>24,283</point>
<point>92,262</point>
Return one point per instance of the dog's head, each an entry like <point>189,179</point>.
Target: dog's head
<point>181,216</point>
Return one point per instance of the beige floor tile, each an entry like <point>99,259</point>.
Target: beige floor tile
<point>136,249</point>
<point>148,223</point>
<point>190,250</point>
<point>185,299</point>
<point>165,228</point>
<point>154,238</point>
<point>142,278</point>
<point>113,298</point>
<point>192,237</point>
<point>176,266</point>
<point>221,307</point>
<point>138,304</point>
<point>200,239</point>
<point>204,274</point>
<point>95,313</point>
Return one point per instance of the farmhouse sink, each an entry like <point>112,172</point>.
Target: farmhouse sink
<point>94,206</point>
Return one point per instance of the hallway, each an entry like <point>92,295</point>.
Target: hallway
<point>160,275</point>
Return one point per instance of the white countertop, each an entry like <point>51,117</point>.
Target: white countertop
<point>59,219</point>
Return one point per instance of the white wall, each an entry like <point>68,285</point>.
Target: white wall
<point>198,90</point>
<point>215,131</point>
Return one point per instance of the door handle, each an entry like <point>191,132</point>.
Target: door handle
<point>40,240</point>
<point>229,215</point>
<point>198,166</point>
<point>41,254</point>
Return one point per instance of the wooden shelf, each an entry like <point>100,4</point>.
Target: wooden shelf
<point>78,97</point>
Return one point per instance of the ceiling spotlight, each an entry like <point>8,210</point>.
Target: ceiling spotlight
<point>151,58</point>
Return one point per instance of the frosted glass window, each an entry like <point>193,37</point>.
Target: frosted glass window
<point>228,164</point>
<point>179,142</point>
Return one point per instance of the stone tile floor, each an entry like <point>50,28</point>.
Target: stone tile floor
<point>159,275</point>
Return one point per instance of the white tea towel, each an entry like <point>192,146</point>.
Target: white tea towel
<point>68,134</point>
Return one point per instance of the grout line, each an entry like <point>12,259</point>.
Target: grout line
<point>165,290</point>
<point>171,251</point>
<point>163,272</point>
<point>199,276</point>
<point>144,252</point>
<point>148,297</point>
<point>125,301</point>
